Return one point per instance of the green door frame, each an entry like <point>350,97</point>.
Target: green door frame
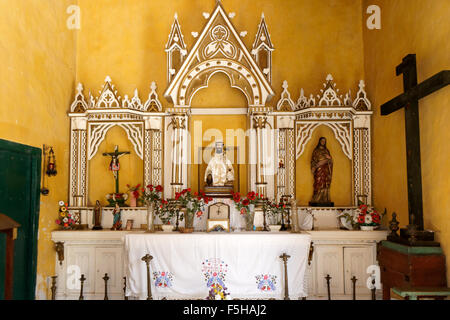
<point>36,158</point>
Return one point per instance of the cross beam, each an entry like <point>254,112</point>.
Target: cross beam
<point>410,101</point>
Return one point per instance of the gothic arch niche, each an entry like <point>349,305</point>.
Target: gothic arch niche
<point>341,185</point>
<point>101,180</point>
<point>219,47</point>
<point>219,93</point>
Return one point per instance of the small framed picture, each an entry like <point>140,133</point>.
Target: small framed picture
<point>129,224</point>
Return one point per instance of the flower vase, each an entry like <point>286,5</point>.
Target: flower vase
<point>133,201</point>
<point>188,222</point>
<point>249,220</point>
<point>150,218</point>
<point>367,228</point>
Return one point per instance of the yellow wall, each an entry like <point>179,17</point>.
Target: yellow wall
<point>341,183</point>
<point>420,27</point>
<point>37,83</point>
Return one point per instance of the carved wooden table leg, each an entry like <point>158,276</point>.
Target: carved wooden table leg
<point>285,258</point>
<point>354,286</point>
<point>82,279</point>
<point>53,287</point>
<point>147,258</point>
<point>125,287</point>
<point>106,278</point>
<point>328,278</point>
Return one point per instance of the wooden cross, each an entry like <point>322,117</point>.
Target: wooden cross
<point>115,161</point>
<point>409,100</point>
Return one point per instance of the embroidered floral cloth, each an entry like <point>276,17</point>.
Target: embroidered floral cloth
<point>190,266</point>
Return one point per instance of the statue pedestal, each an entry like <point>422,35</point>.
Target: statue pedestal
<point>321,204</point>
<point>219,191</point>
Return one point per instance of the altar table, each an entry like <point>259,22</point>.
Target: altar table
<point>247,264</point>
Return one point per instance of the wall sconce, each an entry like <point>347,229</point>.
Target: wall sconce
<point>49,167</point>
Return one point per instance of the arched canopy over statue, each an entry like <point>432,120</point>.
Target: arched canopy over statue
<point>219,175</point>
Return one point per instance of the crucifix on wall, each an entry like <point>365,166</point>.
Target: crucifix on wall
<point>114,165</point>
<point>410,101</point>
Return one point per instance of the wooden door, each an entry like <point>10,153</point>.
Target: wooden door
<point>356,261</point>
<point>80,260</point>
<point>329,260</point>
<point>20,168</point>
<point>109,260</point>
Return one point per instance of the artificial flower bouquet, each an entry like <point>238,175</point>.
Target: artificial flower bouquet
<point>65,218</point>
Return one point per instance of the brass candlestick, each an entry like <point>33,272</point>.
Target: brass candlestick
<point>147,258</point>
<point>82,279</point>
<point>328,278</point>
<point>106,278</point>
<point>354,286</point>
<point>53,287</point>
<point>285,258</point>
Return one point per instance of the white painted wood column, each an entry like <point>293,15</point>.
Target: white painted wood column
<point>78,163</point>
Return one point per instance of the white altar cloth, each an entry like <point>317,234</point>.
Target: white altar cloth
<point>247,264</point>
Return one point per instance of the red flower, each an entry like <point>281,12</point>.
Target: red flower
<point>143,190</point>
<point>361,219</point>
<point>177,195</point>
<point>188,189</point>
<point>159,188</point>
<point>251,195</point>
<point>199,214</point>
<point>376,219</point>
<point>237,197</point>
<point>196,193</point>
<point>245,202</point>
<point>243,211</point>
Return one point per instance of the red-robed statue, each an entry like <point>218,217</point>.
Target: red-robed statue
<point>322,169</point>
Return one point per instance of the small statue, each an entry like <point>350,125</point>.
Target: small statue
<point>322,169</point>
<point>97,217</point>
<point>220,169</point>
<point>281,164</point>
<point>117,222</point>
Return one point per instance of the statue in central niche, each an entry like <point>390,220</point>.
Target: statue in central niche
<point>220,171</point>
<point>322,169</point>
